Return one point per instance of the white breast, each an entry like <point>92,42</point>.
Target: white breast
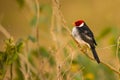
<point>77,37</point>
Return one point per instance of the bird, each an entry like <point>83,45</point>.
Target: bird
<point>83,35</point>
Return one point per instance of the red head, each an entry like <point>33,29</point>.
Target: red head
<point>79,22</point>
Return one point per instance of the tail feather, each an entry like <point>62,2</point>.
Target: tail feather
<point>95,54</point>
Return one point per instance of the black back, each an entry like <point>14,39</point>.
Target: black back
<point>87,35</point>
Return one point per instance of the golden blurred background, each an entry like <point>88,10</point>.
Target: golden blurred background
<point>102,16</point>
<point>97,14</point>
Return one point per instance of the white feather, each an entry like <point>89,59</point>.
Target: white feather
<point>77,37</point>
<point>81,25</point>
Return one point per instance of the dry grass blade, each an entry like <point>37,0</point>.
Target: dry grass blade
<point>37,21</point>
<point>25,61</point>
<point>117,50</point>
<point>56,5</point>
<point>4,31</point>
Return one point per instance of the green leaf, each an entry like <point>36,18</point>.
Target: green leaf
<point>32,38</point>
<point>44,52</point>
<point>52,61</point>
<point>1,56</point>
<point>11,51</point>
<point>19,74</point>
<point>45,8</point>
<point>19,45</point>
<point>30,57</point>
<point>20,3</point>
<point>33,21</point>
<point>2,65</point>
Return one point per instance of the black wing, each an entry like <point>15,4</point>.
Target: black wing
<point>87,35</point>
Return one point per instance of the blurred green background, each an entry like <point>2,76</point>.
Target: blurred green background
<point>57,57</point>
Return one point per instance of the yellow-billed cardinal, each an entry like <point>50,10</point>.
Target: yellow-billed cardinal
<point>82,34</point>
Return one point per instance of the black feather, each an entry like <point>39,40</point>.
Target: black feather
<point>95,54</point>
<point>87,36</point>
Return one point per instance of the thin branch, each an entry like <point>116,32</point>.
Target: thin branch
<point>69,64</point>
<point>107,65</point>
<point>25,60</point>
<point>37,22</point>
<point>11,72</point>
<point>108,47</point>
<point>52,25</point>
